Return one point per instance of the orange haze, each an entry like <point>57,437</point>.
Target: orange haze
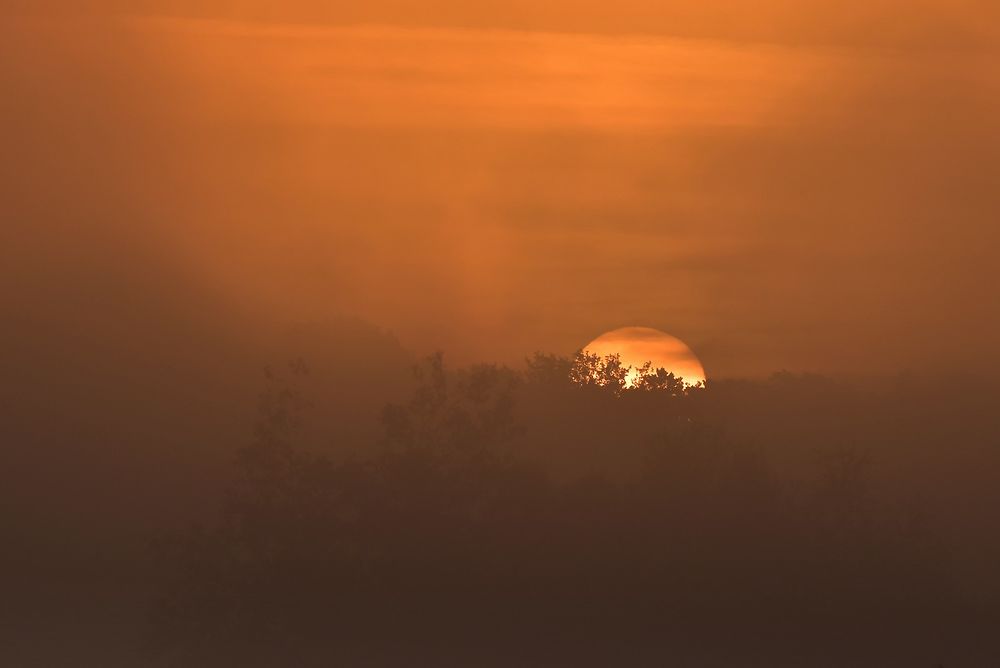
<point>782,186</point>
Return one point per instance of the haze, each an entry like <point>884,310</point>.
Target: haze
<point>779,189</point>
<point>200,198</point>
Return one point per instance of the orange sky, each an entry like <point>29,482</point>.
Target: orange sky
<point>779,187</point>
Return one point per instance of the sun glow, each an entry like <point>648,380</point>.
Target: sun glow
<point>637,346</point>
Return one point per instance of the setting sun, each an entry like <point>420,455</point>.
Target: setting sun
<point>637,346</point>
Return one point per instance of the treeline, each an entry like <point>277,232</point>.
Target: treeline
<point>556,517</point>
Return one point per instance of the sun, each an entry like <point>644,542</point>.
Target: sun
<point>636,346</point>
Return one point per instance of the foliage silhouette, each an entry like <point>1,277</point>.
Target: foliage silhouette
<point>444,544</point>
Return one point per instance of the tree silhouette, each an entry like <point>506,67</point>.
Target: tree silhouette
<point>444,543</point>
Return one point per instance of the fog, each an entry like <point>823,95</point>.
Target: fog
<point>812,207</point>
<point>194,193</point>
